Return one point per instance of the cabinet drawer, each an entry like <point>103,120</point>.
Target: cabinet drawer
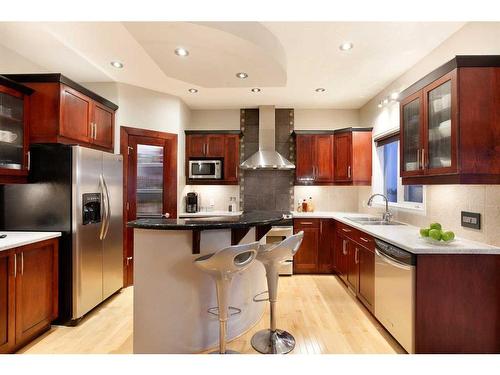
<point>356,235</point>
<point>346,230</point>
<point>366,241</point>
<point>306,223</point>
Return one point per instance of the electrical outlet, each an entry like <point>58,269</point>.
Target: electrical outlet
<point>471,220</point>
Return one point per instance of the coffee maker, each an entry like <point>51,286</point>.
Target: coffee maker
<point>192,202</point>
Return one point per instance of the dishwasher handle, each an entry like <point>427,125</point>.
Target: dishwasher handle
<point>392,261</point>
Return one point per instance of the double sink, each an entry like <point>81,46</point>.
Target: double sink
<point>366,220</point>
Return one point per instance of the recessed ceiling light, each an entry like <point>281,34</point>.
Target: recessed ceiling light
<point>379,105</point>
<point>241,75</point>
<point>385,101</point>
<point>255,89</point>
<point>116,64</point>
<point>395,95</point>
<point>181,52</point>
<point>346,46</point>
<point>193,91</point>
<point>320,89</point>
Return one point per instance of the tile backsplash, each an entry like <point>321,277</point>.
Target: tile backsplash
<point>328,198</point>
<point>214,196</point>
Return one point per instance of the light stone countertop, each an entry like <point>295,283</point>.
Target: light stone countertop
<point>406,236</point>
<point>17,239</point>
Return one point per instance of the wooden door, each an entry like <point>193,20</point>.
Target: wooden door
<point>156,185</point>
<point>325,248</point>
<point>36,288</point>
<point>231,158</point>
<point>341,255</point>
<point>324,158</point>
<point>7,311</point>
<point>196,145</point>
<point>75,115</point>
<point>306,258</point>
<point>304,171</point>
<point>352,266</point>
<point>343,157</point>
<point>103,120</point>
<point>366,277</point>
<point>215,146</point>
<point>440,126</point>
<point>411,136</point>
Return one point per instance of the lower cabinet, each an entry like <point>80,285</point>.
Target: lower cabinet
<point>352,266</point>
<point>316,252</point>
<point>28,292</point>
<point>366,287</point>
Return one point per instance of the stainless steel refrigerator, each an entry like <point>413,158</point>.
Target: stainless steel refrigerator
<point>79,192</point>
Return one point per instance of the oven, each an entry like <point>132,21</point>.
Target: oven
<point>205,169</point>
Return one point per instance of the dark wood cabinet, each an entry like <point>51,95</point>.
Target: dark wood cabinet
<point>340,251</point>
<point>28,293</point>
<point>352,266</point>
<point>353,156</point>
<point>342,157</point>
<point>62,111</point>
<point>14,131</point>
<point>366,287</point>
<point>314,159</point>
<point>223,145</point>
<point>325,249</point>
<point>450,125</point>
<point>306,258</point>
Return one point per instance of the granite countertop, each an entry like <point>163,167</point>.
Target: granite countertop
<point>405,236</point>
<point>209,214</point>
<point>17,239</point>
<point>245,220</point>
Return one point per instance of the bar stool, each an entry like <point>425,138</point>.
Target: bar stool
<point>275,341</point>
<point>222,265</point>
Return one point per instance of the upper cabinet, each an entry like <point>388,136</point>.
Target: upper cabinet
<point>62,111</point>
<point>450,124</point>
<point>219,145</point>
<point>342,157</point>
<point>14,131</point>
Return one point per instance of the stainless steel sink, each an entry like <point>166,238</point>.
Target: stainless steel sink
<point>365,220</point>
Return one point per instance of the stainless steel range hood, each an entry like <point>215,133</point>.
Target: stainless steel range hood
<point>267,157</point>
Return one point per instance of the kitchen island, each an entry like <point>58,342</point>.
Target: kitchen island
<point>172,296</point>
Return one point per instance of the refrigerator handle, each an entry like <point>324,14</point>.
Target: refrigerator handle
<point>104,207</point>
<point>108,209</point>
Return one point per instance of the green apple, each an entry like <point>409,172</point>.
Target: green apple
<point>435,234</point>
<point>424,232</point>
<point>448,236</point>
<point>435,226</point>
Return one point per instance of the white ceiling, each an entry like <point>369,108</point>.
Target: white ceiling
<point>287,60</point>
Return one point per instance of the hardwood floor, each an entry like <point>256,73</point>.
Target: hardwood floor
<point>317,309</point>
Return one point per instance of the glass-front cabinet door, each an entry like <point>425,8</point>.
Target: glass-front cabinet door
<point>13,142</point>
<point>150,180</point>
<point>411,137</point>
<point>440,142</point>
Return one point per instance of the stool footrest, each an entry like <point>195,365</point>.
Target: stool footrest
<point>215,311</point>
<point>256,299</point>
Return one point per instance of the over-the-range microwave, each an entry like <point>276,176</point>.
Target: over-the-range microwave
<point>205,169</point>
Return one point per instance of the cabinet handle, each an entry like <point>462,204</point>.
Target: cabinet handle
<point>29,160</point>
<point>423,159</point>
<point>343,247</point>
<point>306,223</point>
<point>356,256</point>
<point>363,239</point>
<point>128,260</point>
<point>349,171</point>
<point>320,228</point>
<point>418,160</point>
<point>346,230</point>
<point>15,265</point>
<point>22,263</point>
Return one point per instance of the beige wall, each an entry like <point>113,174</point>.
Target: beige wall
<point>13,63</point>
<point>223,119</point>
<point>443,203</point>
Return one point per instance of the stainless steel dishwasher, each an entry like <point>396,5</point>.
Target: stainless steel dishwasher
<point>395,292</point>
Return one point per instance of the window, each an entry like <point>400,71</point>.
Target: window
<point>388,182</point>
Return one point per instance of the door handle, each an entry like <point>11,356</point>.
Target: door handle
<point>103,207</point>
<point>108,210</point>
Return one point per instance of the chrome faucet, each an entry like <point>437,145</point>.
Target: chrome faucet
<point>387,215</point>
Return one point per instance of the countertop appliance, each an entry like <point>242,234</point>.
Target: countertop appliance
<point>77,191</point>
<point>395,292</point>
<point>192,202</point>
<point>205,169</point>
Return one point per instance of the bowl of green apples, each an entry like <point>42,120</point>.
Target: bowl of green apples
<point>435,235</point>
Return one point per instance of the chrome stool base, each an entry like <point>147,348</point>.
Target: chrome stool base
<point>277,342</point>
<point>227,352</point>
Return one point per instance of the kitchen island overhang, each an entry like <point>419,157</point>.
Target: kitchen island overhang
<point>172,296</point>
